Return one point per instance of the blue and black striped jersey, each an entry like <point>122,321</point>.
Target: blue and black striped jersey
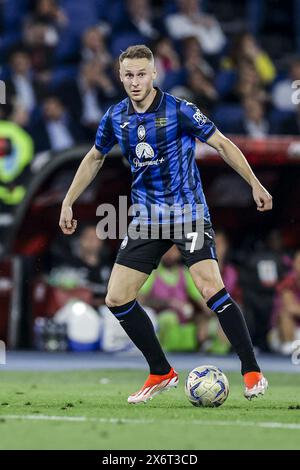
<point>159,144</point>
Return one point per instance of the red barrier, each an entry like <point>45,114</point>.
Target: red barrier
<point>274,150</point>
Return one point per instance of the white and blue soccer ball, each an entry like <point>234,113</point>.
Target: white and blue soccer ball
<point>206,386</point>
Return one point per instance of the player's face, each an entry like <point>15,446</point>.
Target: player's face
<point>137,76</point>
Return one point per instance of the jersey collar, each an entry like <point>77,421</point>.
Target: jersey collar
<point>153,106</point>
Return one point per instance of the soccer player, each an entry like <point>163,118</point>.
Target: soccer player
<point>156,132</point>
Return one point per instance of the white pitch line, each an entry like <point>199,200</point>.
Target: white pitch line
<point>80,419</point>
<point>268,425</point>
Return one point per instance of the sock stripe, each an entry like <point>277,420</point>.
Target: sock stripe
<point>126,311</point>
<point>219,302</point>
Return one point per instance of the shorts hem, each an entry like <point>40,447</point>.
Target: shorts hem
<point>146,268</point>
<point>198,260</point>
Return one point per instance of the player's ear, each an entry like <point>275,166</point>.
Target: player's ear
<point>120,75</point>
<point>154,73</point>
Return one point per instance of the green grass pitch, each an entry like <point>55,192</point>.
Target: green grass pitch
<point>89,410</point>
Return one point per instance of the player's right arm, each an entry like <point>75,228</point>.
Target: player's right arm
<point>88,169</point>
<point>85,174</point>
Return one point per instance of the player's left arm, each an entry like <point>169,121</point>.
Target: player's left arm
<point>233,156</point>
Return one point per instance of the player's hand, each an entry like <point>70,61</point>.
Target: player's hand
<point>262,198</point>
<point>66,222</point>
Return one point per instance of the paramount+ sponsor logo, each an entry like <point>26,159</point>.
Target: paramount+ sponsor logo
<point>145,154</point>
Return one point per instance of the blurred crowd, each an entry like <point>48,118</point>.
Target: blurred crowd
<point>264,281</point>
<point>59,60</point>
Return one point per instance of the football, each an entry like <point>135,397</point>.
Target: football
<point>206,386</point>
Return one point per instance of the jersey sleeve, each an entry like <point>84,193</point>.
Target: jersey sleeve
<point>105,136</point>
<point>194,122</point>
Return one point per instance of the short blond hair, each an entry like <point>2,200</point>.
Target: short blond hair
<point>140,51</point>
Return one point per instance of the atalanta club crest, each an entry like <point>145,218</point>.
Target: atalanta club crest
<point>141,132</point>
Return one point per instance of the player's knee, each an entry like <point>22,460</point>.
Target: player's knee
<point>210,289</point>
<point>112,300</point>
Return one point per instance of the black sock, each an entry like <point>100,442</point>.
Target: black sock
<point>235,328</point>
<point>135,321</point>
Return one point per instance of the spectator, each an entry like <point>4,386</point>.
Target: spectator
<point>170,291</point>
<point>94,47</point>
<point>85,263</point>
<point>245,47</point>
<point>182,92</point>
<point>141,19</point>
<point>41,35</point>
<point>19,115</point>
<point>255,123</point>
<point>89,95</point>
<point>41,46</point>
<point>140,22</point>
<point>193,57</point>
<point>228,271</point>
<point>260,273</point>
<point>286,317</point>
<point>291,125</point>
<point>282,91</point>
<point>55,130</point>
<point>167,60</point>
<point>247,70</point>
<point>248,83</point>
<point>49,12</point>
<point>191,21</point>
<point>204,93</point>
<point>21,86</point>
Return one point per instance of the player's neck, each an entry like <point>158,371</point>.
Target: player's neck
<point>142,106</point>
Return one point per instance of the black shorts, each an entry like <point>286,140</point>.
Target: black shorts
<point>144,254</point>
